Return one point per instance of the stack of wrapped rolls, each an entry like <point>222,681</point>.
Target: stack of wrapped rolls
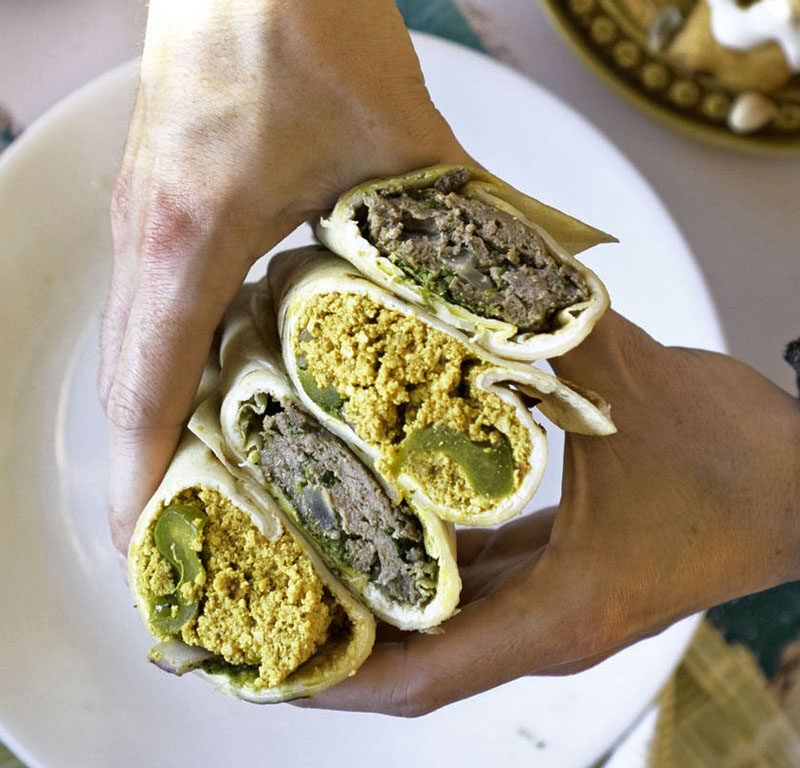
<point>367,395</point>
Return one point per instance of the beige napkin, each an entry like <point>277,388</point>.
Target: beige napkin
<point>718,711</point>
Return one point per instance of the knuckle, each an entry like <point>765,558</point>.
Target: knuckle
<point>162,228</point>
<point>128,409</point>
<point>412,701</point>
<point>416,691</point>
<point>172,227</point>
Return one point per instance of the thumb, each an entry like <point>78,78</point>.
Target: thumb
<point>612,360</point>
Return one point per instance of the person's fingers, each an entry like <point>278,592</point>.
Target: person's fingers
<point>470,542</point>
<point>169,332</point>
<point>424,672</point>
<point>491,558</point>
<point>515,545</point>
<point>520,534</point>
<point>530,623</point>
<point>386,633</point>
<point>515,537</point>
<point>484,577</point>
<point>407,697</point>
<point>115,322</point>
<point>123,281</point>
<point>125,233</point>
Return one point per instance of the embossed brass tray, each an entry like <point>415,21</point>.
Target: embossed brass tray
<point>615,46</point>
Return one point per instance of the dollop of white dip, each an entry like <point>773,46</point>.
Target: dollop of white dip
<point>765,21</point>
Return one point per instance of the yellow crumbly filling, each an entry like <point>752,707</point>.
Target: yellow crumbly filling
<point>396,375</point>
<point>260,601</point>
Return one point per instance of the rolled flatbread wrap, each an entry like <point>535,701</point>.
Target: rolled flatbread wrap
<point>400,561</point>
<point>477,253</point>
<point>233,594</point>
<point>444,422</point>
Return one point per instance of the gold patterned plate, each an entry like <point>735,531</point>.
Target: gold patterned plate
<point>614,44</point>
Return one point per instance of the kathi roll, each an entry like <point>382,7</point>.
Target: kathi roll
<point>232,593</point>
<point>442,421</point>
<point>400,561</point>
<point>477,253</point>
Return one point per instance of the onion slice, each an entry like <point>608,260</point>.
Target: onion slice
<point>176,657</point>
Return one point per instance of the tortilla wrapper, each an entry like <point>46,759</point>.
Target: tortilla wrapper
<point>563,236</point>
<point>194,466</point>
<point>252,365</point>
<point>298,276</point>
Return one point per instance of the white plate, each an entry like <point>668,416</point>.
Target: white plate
<point>75,688</point>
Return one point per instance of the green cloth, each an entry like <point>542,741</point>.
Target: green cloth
<point>8,760</point>
<point>438,17</point>
<point>765,622</point>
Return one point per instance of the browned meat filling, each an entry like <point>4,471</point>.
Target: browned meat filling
<point>340,504</point>
<point>471,254</point>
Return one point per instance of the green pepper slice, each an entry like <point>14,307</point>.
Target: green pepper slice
<point>177,529</point>
<point>328,399</point>
<point>489,466</point>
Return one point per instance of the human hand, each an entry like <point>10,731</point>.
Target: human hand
<point>694,501</point>
<point>250,118</point>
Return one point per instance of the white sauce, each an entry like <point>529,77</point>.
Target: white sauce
<point>765,21</point>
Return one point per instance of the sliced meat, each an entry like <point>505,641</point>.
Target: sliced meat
<point>471,254</point>
<point>342,506</point>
